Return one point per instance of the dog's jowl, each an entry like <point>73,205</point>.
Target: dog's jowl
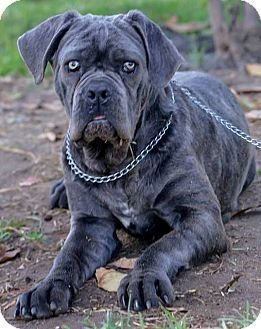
<point>138,153</point>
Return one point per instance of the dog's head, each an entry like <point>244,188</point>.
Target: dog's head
<point>106,69</point>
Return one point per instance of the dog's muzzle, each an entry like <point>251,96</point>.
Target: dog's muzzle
<point>101,129</point>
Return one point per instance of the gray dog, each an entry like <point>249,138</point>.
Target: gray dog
<point>138,153</point>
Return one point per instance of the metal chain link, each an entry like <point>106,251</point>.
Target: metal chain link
<point>235,130</point>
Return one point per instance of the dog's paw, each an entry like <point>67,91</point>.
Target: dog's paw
<point>45,300</point>
<point>58,196</point>
<point>142,290</point>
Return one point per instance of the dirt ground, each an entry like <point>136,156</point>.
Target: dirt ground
<point>32,124</point>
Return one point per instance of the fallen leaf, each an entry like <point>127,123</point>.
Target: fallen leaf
<point>51,136</point>
<point>124,263</point>
<point>254,69</point>
<point>6,255</point>
<point>31,180</point>
<point>254,115</point>
<point>108,280</point>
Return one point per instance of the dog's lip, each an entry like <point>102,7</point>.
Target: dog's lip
<point>99,117</point>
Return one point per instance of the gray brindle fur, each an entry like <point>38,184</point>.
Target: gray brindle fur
<point>113,75</point>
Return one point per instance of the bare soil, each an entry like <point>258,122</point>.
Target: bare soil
<point>30,118</point>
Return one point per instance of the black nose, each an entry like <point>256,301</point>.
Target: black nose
<point>98,92</point>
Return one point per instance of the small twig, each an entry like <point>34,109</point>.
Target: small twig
<point>230,283</point>
<point>9,189</point>
<point>20,152</point>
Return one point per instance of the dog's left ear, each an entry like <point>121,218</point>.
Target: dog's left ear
<point>163,57</point>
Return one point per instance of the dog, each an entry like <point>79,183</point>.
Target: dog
<point>139,153</point>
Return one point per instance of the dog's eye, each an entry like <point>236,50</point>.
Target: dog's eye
<point>73,66</point>
<point>128,67</point>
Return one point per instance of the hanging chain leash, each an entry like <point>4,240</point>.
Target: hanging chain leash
<point>110,178</point>
<point>235,130</point>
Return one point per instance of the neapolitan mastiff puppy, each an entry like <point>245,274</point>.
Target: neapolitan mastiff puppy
<point>114,77</point>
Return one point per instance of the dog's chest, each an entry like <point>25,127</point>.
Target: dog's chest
<point>125,213</point>
<point>134,208</point>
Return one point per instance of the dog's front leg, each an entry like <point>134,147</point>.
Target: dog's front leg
<point>195,237</point>
<point>89,245</point>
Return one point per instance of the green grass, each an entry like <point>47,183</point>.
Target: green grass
<point>115,320</point>
<point>33,236</point>
<point>240,320</point>
<point>26,14</point>
<point>14,227</point>
<point>9,228</point>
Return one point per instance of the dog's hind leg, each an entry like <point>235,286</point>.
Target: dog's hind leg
<point>58,196</point>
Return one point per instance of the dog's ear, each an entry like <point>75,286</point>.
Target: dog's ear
<point>162,56</point>
<point>39,44</point>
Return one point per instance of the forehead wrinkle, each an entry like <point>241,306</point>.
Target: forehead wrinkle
<point>102,37</point>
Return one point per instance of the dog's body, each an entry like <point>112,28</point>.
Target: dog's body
<point>113,76</point>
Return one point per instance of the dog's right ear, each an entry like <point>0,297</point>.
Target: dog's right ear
<point>38,45</point>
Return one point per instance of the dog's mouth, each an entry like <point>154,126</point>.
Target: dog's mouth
<point>100,129</point>
<point>101,145</point>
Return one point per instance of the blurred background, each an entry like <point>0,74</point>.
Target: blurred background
<point>197,27</point>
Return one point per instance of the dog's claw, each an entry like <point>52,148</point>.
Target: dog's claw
<point>123,302</point>
<point>33,311</point>
<point>136,305</point>
<point>148,304</point>
<point>166,299</point>
<point>147,289</point>
<point>53,306</point>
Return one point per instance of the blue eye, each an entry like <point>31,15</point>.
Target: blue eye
<point>128,67</point>
<point>74,66</point>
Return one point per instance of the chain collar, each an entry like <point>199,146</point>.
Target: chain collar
<point>110,178</point>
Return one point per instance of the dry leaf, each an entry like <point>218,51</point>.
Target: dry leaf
<point>254,115</point>
<point>6,255</point>
<point>31,180</point>
<point>125,263</point>
<point>51,136</point>
<point>108,280</point>
<point>254,69</point>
